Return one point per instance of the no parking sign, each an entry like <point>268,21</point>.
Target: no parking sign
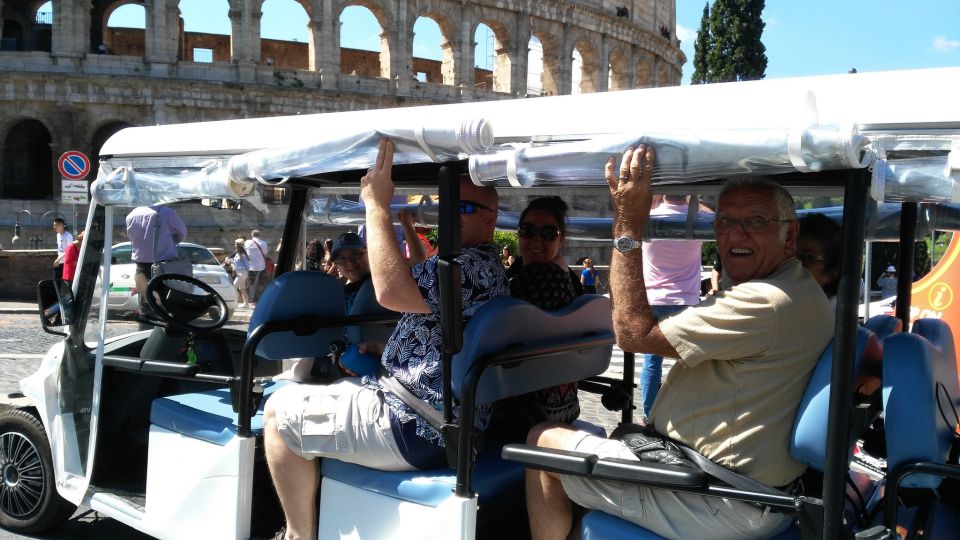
<point>74,165</point>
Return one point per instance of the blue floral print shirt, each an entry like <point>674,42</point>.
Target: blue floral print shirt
<point>413,355</point>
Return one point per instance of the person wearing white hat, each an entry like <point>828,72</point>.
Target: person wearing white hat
<point>888,282</point>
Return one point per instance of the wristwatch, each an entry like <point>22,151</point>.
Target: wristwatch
<point>626,244</point>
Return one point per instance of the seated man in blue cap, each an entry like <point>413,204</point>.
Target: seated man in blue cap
<point>364,343</point>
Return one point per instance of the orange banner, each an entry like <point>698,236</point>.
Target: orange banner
<point>934,296</point>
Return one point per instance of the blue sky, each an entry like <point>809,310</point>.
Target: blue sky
<point>820,37</point>
<point>802,37</point>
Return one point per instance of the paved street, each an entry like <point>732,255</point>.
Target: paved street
<point>22,344</point>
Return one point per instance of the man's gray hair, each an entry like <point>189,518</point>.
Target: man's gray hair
<point>786,208</point>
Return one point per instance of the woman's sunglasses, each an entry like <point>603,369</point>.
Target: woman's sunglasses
<point>547,232</point>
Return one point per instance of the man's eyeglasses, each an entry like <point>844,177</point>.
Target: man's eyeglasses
<point>751,224</point>
<point>549,233</point>
<point>354,257</point>
<point>470,207</point>
<point>807,257</point>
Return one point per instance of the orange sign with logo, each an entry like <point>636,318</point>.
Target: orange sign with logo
<point>935,295</point>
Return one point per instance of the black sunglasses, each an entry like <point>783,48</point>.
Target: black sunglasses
<point>470,207</point>
<point>549,233</point>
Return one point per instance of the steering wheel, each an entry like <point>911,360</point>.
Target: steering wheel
<point>186,302</point>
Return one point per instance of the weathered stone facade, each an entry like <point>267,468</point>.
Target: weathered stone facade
<point>70,81</point>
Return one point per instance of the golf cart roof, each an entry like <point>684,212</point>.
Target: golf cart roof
<point>702,133</point>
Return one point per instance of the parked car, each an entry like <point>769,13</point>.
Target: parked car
<point>124,297</point>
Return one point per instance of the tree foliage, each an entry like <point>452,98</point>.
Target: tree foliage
<point>700,49</point>
<point>728,46</point>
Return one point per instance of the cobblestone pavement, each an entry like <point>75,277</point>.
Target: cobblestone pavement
<point>23,343</point>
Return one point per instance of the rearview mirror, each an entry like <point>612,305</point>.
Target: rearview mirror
<point>225,204</point>
<point>55,302</point>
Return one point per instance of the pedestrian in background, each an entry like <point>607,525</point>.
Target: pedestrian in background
<point>256,277</point>
<point>241,266</point>
<point>888,282</point>
<point>70,257</point>
<point>154,232</point>
<point>588,277</point>
<point>64,238</point>
<point>671,271</point>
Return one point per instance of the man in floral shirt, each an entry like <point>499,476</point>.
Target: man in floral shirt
<point>358,421</point>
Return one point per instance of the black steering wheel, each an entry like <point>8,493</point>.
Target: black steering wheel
<point>186,302</point>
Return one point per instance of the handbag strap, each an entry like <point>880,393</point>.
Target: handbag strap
<point>262,254</point>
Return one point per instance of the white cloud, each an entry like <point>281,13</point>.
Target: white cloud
<point>943,44</point>
<point>685,34</point>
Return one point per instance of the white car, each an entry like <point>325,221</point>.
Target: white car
<point>124,297</point>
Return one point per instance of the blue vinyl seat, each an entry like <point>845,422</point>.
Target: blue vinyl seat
<point>919,381</point>
<point>511,325</point>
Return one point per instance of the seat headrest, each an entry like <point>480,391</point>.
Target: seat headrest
<point>919,379</point>
<point>293,295</point>
<point>808,442</point>
<point>507,322</point>
<point>365,303</point>
<point>884,325</point>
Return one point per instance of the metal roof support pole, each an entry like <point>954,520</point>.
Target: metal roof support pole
<point>845,336</point>
<point>908,231</point>
<point>292,230</point>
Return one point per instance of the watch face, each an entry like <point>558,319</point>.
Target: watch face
<point>625,244</point>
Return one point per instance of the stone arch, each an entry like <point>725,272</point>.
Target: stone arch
<point>27,161</point>
<point>285,53</point>
<point>448,45</point>
<point>348,62</point>
<point>619,69</point>
<point>42,29</point>
<point>502,59</point>
<point>12,35</point>
<point>123,40</point>
<point>220,45</point>
<point>551,71</point>
<point>101,134</point>
<point>590,68</point>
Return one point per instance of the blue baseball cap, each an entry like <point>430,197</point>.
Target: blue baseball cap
<point>347,240</point>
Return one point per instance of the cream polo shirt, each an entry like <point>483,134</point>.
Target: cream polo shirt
<point>746,356</point>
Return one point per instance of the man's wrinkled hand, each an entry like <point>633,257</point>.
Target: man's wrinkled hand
<point>376,187</point>
<point>630,185</point>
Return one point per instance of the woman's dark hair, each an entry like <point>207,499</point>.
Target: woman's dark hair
<point>825,232</point>
<point>554,206</point>
<point>315,249</point>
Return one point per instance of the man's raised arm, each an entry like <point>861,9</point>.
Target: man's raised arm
<point>395,288</point>
<point>633,320</point>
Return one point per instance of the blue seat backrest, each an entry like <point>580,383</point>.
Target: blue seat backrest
<point>509,322</point>
<point>365,303</point>
<point>883,325</point>
<point>808,442</point>
<point>293,295</point>
<point>914,366</point>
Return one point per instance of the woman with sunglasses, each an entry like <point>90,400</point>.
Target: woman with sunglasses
<point>540,276</point>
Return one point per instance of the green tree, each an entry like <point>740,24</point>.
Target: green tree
<point>728,46</point>
<point>700,49</point>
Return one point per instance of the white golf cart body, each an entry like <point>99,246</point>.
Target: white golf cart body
<point>199,489</point>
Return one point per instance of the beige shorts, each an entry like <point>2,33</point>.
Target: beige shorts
<point>344,420</point>
<point>667,513</point>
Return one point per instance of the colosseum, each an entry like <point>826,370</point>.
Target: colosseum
<point>71,78</point>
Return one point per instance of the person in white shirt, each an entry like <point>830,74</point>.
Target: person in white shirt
<point>64,238</point>
<point>256,278</point>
